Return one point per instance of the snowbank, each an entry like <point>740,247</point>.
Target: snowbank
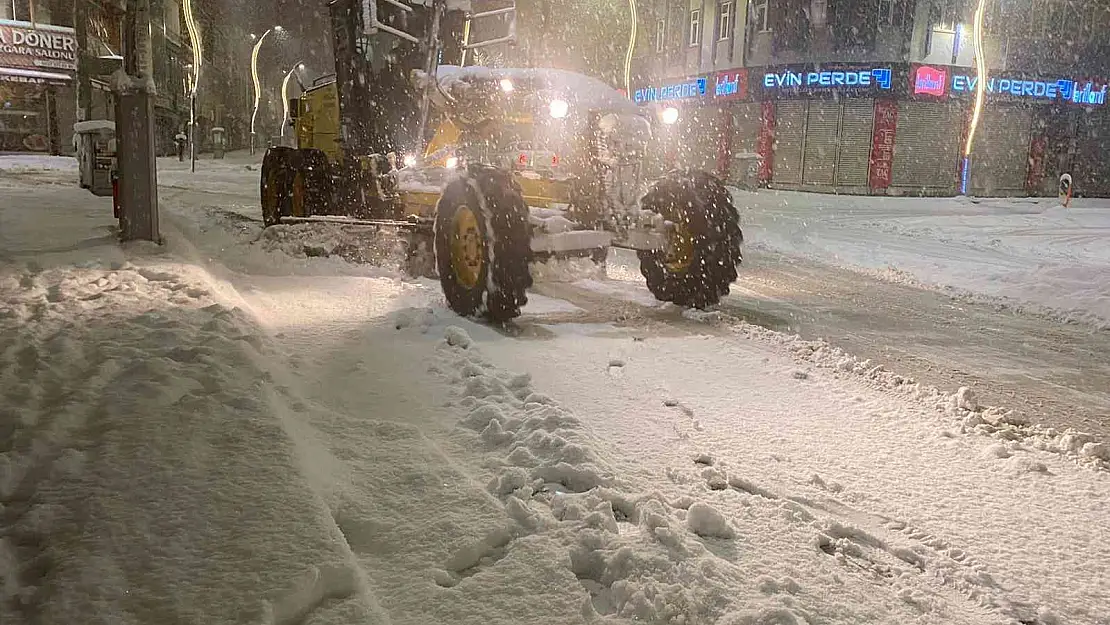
<point>1020,253</point>
<point>16,163</point>
<point>145,473</point>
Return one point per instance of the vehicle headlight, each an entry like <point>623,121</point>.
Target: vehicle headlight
<point>452,162</point>
<point>409,160</point>
<point>558,109</point>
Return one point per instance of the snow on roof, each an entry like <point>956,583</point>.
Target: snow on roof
<point>578,90</point>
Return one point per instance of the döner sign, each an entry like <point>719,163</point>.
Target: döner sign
<point>29,47</point>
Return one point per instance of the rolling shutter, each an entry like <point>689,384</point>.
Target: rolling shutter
<point>819,161</point>
<point>746,121</point>
<point>1000,155</point>
<point>1092,167</point>
<point>790,129</point>
<point>856,124</point>
<point>927,145</point>
<point>702,137</point>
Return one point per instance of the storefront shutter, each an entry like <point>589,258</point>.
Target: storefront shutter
<point>819,161</point>
<point>790,129</point>
<point>1091,169</point>
<point>701,137</point>
<point>857,122</point>
<point>746,119</point>
<point>1000,154</point>
<point>927,146</point>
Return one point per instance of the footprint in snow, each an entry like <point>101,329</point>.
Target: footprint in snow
<point>616,366</point>
<point>674,403</point>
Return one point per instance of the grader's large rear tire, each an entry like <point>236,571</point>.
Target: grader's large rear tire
<point>482,244</point>
<point>706,240</point>
<point>277,184</point>
<point>311,190</point>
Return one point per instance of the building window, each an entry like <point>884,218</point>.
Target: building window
<point>886,12</point>
<point>724,21</point>
<point>695,27</point>
<point>660,35</point>
<point>759,16</point>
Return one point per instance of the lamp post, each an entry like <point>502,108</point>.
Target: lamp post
<point>198,58</point>
<point>257,85</point>
<point>285,94</point>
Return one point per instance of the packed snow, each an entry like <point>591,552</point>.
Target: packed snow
<point>1032,253</point>
<point>246,426</point>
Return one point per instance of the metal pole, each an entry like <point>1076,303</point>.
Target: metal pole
<point>431,67</point>
<point>84,80</point>
<point>193,129</point>
<point>198,59</point>
<point>138,176</point>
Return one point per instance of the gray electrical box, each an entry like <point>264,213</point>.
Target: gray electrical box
<point>219,141</point>
<point>96,155</point>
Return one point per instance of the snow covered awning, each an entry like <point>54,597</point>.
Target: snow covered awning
<point>15,74</point>
<point>580,91</point>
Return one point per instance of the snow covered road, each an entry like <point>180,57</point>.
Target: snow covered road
<point>1026,253</point>
<point>1048,372</point>
<point>231,429</point>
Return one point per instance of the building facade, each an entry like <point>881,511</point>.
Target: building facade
<point>38,59</point>
<point>40,51</point>
<point>875,96</point>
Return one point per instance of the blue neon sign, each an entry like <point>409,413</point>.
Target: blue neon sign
<point>696,88</point>
<point>831,79</point>
<point>1062,89</point>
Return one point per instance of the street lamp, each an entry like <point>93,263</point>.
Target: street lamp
<point>285,94</point>
<point>257,85</point>
<point>198,58</point>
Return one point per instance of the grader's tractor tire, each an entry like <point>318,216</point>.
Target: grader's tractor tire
<point>707,242</point>
<point>482,244</point>
<point>276,184</point>
<point>311,184</point>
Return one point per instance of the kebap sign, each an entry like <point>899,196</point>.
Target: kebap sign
<point>36,50</point>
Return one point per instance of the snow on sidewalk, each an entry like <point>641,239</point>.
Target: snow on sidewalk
<point>809,495</point>
<point>1022,253</point>
<point>145,472</point>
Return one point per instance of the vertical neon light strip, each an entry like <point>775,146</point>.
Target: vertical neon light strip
<point>980,94</point>
<point>194,39</point>
<point>254,75</point>
<point>285,99</point>
<point>631,49</point>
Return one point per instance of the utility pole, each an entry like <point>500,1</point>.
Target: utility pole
<point>138,174</point>
<point>84,78</point>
